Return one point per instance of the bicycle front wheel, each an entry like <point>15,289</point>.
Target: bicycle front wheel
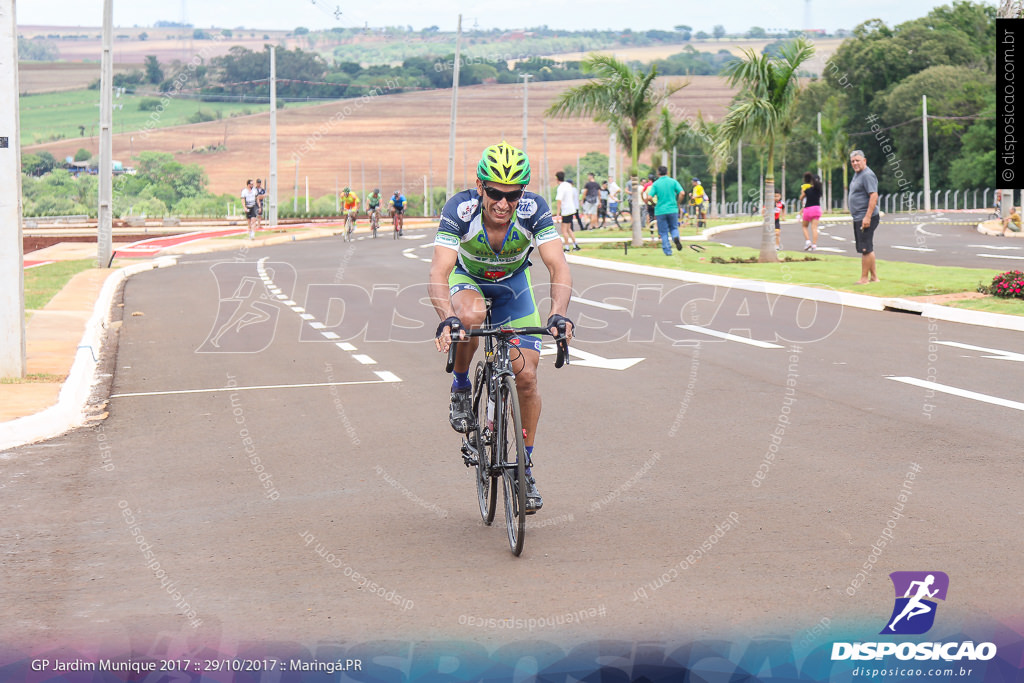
<point>486,485</point>
<point>511,451</point>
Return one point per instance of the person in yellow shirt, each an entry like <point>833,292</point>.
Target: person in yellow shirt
<point>349,209</point>
<point>697,201</point>
<point>1012,221</point>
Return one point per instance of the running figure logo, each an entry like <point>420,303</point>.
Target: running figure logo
<point>914,612</point>
<point>248,311</point>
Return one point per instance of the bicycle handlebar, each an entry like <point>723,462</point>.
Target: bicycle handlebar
<point>561,343</point>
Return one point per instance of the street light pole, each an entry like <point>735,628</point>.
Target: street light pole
<point>12,273</point>
<point>526,92</point>
<point>105,225</point>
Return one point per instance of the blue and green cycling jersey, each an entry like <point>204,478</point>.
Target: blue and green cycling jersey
<point>462,230</point>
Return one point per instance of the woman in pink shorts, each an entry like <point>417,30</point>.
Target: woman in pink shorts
<point>811,194</point>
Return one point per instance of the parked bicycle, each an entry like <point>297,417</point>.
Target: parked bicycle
<point>494,445</point>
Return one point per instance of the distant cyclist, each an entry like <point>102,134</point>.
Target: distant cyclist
<point>482,250</point>
<point>396,207</point>
<point>349,206</point>
<point>373,202</point>
<point>697,201</point>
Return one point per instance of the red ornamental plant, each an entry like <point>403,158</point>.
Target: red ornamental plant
<point>1008,285</point>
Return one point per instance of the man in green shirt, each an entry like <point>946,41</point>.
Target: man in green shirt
<point>667,192</point>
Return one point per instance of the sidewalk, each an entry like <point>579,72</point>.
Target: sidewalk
<point>63,339</point>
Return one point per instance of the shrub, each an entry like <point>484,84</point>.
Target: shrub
<point>1009,285</point>
<point>201,116</point>
<point>149,104</point>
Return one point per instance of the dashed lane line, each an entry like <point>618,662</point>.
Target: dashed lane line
<point>315,324</point>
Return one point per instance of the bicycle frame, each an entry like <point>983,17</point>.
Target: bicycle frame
<point>494,391</point>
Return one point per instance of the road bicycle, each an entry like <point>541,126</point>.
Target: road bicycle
<point>350,226</point>
<point>396,222</point>
<point>494,445</point>
<point>374,221</point>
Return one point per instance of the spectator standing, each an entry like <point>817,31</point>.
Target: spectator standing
<point>249,198</point>
<point>565,207</point>
<point>613,197</point>
<point>666,193</point>
<point>591,198</point>
<point>863,201</point>
<point>261,192</point>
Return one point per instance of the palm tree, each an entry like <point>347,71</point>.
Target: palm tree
<point>626,101</point>
<point>768,86</point>
<point>835,143</point>
<point>706,133</point>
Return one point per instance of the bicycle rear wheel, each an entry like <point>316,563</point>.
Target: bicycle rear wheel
<point>624,219</point>
<point>486,485</point>
<point>511,453</point>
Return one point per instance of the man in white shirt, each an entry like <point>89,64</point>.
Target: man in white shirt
<point>566,206</point>
<point>613,198</point>
<point>250,198</point>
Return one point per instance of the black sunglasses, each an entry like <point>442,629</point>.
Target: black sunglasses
<point>497,195</point>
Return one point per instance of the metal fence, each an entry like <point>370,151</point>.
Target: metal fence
<point>942,200</point>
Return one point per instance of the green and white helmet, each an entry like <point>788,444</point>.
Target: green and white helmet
<point>503,163</point>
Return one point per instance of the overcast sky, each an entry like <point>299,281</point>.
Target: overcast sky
<point>735,15</point>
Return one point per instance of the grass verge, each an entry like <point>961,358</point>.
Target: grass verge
<point>898,279</point>
<point>43,282</point>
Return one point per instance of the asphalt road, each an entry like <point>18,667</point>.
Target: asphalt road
<point>277,436</point>
<point>940,239</point>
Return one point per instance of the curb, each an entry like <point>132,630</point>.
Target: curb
<point>69,411</point>
<point>830,296</point>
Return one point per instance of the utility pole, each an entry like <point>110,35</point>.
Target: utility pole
<point>295,196</point>
<point>612,156</point>
<point>105,225</point>
<point>450,184</point>
<point>272,189</point>
<point>819,144</point>
<point>12,273</point>
<point>739,176</point>
<point>526,91</point>
<point>927,175</point>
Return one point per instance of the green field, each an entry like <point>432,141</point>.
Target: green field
<point>57,116</point>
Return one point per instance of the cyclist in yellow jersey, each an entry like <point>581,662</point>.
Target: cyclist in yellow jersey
<point>697,201</point>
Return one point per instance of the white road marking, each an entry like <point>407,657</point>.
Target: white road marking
<point>989,246</point>
<point>317,325</point>
<point>964,393</point>
<point>592,360</point>
<point>921,230</point>
<point>730,337</point>
<point>283,298</point>
<point>345,346</point>
<point>900,246</point>
<point>330,335</point>
<point>298,309</point>
<point>387,376</point>
<point>999,353</point>
<point>306,316</point>
<point>253,388</point>
<point>597,304</point>
<point>829,249</point>
<point>364,359</point>
<point>292,303</point>
<point>1015,258</point>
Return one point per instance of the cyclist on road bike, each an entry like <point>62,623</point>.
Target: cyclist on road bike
<point>396,207</point>
<point>373,201</point>
<point>481,251</point>
<point>697,198</point>
<point>349,205</point>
